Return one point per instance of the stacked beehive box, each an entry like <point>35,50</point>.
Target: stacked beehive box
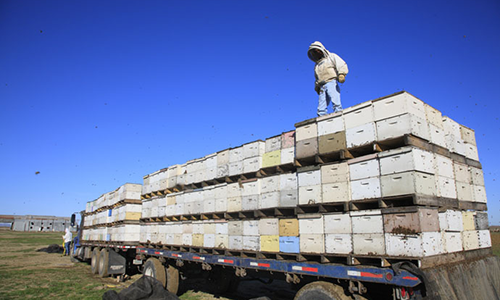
<point>114,217</point>
<point>360,161</point>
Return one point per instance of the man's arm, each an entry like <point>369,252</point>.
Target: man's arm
<point>340,66</point>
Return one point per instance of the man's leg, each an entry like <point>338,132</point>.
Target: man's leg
<point>323,101</point>
<point>333,94</point>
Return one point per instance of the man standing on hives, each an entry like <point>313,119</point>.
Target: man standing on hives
<point>330,69</point>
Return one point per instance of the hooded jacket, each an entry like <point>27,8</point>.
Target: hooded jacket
<point>68,236</point>
<point>328,67</point>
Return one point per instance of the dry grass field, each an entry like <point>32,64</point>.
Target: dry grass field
<point>28,274</point>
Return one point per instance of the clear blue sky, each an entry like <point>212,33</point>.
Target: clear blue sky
<point>94,94</point>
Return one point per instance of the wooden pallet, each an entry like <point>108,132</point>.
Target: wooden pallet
<point>469,205</point>
<point>281,169</point>
<point>241,215</point>
<point>379,146</point>
<point>115,205</point>
<point>334,156</point>
<point>410,200</point>
<point>322,208</point>
<point>402,201</point>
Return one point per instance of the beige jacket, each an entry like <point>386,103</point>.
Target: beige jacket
<point>327,68</point>
<point>68,236</point>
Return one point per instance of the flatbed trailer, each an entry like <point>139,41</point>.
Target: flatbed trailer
<point>312,279</point>
<point>315,280</point>
<point>324,281</point>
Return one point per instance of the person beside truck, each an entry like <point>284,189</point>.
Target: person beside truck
<point>68,236</point>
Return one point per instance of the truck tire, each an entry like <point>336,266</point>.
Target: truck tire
<point>94,261</point>
<point>172,280</point>
<point>103,263</point>
<point>87,253</point>
<point>76,254</point>
<point>321,290</point>
<point>72,253</point>
<point>154,268</point>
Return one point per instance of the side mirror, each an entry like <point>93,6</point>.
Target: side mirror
<point>73,218</point>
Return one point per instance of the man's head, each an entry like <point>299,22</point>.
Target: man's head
<point>316,54</point>
<point>316,51</point>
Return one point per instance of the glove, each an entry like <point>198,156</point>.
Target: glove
<point>341,78</point>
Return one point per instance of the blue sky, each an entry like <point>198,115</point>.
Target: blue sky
<point>94,94</point>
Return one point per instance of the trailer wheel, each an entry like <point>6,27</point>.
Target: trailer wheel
<point>103,263</point>
<point>154,268</point>
<point>72,253</point>
<point>87,253</point>
<point>172,280</point>
<point>321,290</point>
<point>94,262</point>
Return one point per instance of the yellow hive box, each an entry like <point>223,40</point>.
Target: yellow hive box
<point>132,216</point>
<point>289,227</point>
<point>270,159</point>
<point>468,220</point>
<point>198,240</point>
<point>269,243</point>
<point>171,200</point>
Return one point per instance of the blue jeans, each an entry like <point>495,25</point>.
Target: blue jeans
<point>66,245</point>
<point>329,92</point>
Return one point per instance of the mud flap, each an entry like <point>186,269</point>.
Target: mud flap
<point>117,263</point>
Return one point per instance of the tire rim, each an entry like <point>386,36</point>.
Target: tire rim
<point>149,272</point>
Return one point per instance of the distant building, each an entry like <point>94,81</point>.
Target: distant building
<point>36,223</point>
